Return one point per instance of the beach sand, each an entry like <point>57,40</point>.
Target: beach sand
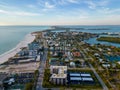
<point>28,39</point>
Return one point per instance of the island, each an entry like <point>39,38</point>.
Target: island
<point>109,39</point>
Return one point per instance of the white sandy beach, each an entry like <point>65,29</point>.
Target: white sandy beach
<point>28,39</point>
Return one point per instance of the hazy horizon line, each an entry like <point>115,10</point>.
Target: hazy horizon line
<point>67,25</point>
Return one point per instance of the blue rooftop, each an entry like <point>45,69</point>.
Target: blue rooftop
<point>76,78</point>
<point>74,74</point>
<point>85,75</point>
<point>87,79</point>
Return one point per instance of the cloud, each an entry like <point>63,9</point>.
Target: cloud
<point>76,14</point>
<point>94,4</point>
<point>104,10</point>
<point>103,3</point>
<point>73,1</point>
<point>31,6</point>
<point>63,11</point>
<point>21,13</point>
<point>7,9</point>
<point>26,14</point>
<point>65,2</point>
<point>91,5</point>
<point>48,5</point>
<point>2,4</point>
<point>59,2</point>
<point>3,11</point>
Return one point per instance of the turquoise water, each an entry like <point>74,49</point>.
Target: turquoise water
<point>112,58</point>
<point>10,36</point>
<point>94,41</point>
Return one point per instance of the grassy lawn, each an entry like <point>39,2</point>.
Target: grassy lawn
<point>46,83</point>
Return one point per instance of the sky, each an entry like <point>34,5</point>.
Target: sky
<point>59,12</point>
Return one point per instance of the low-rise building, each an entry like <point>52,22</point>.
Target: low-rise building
<point>58,75</point>
<point>76,54</point>
<point>106,65</point>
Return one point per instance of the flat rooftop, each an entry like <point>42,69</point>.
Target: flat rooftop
<point>80,74</point>
<point>80,77</point>
<point>58,71</point>
<point>74,74</point>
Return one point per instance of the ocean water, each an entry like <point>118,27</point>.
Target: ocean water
<point>10,36</point>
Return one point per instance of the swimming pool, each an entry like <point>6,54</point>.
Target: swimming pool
<point>112,58</point>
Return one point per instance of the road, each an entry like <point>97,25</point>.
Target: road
<point>96,74</point>
<point>43,59</point>
<point>94,71</point>
<point>98,77</point>
<point>41,71</point>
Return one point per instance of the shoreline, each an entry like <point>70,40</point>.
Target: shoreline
<point>27,39</point>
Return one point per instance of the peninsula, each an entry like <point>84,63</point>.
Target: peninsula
<point>109,39</point>
<point>60,59</point>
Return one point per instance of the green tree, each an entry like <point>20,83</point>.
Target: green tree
<point>29,86</point>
